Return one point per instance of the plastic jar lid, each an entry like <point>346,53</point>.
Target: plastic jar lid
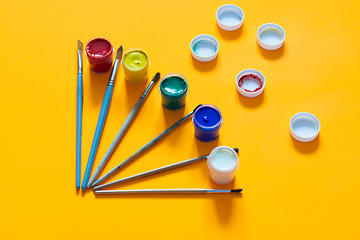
<point>304,127</point>
<point>204,48</point>
<point>250,83</point>
<point>271,36</point>
<point>229,17</point>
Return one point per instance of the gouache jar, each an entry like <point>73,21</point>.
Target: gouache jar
<point>135,64</point>
<point>173,89</point>
<point>207,121</point>
<point>99,51</point>
<point>222,163</point>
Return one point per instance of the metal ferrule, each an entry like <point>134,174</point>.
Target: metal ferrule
<point>80,63</point>
<point>147,90</point>
<point>113,73</point>
<point>218,191</point>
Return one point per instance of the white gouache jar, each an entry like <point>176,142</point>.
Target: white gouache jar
<point>222,163</point>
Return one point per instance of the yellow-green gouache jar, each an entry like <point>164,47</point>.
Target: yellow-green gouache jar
<point>135,64</point>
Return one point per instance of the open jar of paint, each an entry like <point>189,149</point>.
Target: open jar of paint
<point>222,163</point>
<point>99,51</point>
<point>173,89</point>
<point>207,121</point>
<point>135,64</point>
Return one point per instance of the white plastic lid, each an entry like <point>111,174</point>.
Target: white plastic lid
<point>229,17</point>
<point>270,36</point>
<point>204,48</point>
<point>304,126</point>
<point>250,83</point>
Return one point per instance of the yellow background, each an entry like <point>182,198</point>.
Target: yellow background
<point>292,190</point>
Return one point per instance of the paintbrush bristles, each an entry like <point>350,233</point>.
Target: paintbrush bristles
<point>80,46</point>
<point>197,107</point>
<point>236,190</point>
<point>156,77</point>
<point>119,52</point>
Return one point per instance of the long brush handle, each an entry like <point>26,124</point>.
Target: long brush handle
<point>141,150</point>
<point>79,111</point>
<point>156,170</point>
<point>177,190</point>
<point>122,130</point>
<point>115,142</point>
<point>99,128</point>
<point>152,172</point>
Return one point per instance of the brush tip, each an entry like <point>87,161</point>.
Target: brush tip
<point>119,52</point>
<point>197,107</point>
<point>236,190</point>
<point>236,150</point>
<point>80,45</point>
<point>156,77</point>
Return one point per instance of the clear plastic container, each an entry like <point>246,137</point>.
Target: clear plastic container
<point>222,163</point>
<point>137,72</point>
<point>173,89</point>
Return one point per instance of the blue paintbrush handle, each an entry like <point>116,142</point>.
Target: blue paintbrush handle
<point>99,128</point>
<point>79,104</point>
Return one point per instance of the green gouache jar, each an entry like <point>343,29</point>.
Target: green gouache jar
<point>173,89</point>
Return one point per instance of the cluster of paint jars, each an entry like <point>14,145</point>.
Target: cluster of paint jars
<point>173,88</point>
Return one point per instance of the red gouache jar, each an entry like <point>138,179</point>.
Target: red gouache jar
<point>99,51</point>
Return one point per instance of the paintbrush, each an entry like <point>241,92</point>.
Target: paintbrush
<point>176,190</point>
<point>102,117</point>
<point>144,148</point>
<point>155,171</point>
<point>123,129</point>
<point>79,106</point>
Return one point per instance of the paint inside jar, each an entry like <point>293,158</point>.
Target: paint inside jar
<point>304,127</point>
<point>173,89</point>
<point>98,48</point>
<point>207,117</point>
<point>223,159</point>
<point>271,37</point>
<point>135,59</point>
<point>173,86</point>
<point>204,48</point>
<point>229,18</point>
<point>250,82</point>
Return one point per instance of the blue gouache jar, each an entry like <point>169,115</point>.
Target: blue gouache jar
<point>207,121</point>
